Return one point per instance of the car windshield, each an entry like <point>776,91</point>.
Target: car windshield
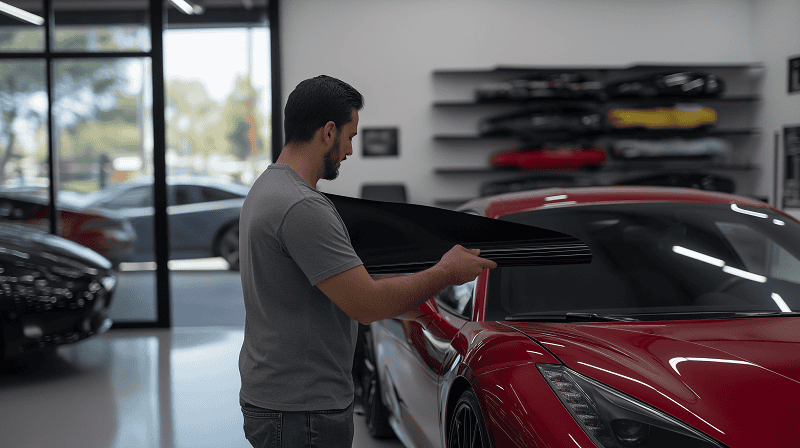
<point>652,260</point>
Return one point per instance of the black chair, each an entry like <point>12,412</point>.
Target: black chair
<point>384,192</point>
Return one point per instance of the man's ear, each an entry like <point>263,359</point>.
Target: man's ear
<point>329,132</point>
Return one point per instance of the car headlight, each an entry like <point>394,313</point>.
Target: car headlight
<point>615,420</point>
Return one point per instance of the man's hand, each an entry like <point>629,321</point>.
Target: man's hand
<point>367,299</point>
<point>462,265</point>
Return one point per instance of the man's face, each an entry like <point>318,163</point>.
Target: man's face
<point>340,148</point>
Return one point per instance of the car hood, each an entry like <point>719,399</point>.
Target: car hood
<point>737,380</point>
<point>27,245</point>
<point>397,238</point>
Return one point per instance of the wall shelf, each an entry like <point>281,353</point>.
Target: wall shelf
<point>613,166</point>
<point>553,100</point>
<point>736,106</point>
<point>619,133</point>
<point>507,69</point>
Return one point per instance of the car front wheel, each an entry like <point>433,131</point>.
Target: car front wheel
<point>228,246</point>
<point>467,429</point>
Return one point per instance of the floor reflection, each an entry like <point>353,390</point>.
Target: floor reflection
<point>133,389</point>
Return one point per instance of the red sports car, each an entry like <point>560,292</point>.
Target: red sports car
<point>682,331</point>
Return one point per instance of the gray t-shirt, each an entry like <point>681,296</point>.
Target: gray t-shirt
<point>298,345</point>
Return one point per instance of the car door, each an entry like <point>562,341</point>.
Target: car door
<point>186,233</point>
<point>198,213</point>
<point>136,204</point>
<point>428,341</point>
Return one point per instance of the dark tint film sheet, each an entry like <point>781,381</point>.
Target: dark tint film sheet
<point>396,238</point>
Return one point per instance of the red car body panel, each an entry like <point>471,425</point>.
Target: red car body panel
<point>514,399</point>
<point>524,201</point>
<point>672,366</point>
<point>717,376</point>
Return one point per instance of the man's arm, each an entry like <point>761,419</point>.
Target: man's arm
<point>366,300</point>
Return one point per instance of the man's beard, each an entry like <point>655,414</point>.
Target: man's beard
<point>331,159</point>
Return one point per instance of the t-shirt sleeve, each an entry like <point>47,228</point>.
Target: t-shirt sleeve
<point>317,240</point>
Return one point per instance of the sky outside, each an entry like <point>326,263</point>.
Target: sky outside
<point>216,56</point>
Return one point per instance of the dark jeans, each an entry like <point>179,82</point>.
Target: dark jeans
<point>266,428</point>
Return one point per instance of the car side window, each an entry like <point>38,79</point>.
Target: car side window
<point>135,197</point>
<point>180,195</point>
<point>457,299</point>
<point>208,194</point>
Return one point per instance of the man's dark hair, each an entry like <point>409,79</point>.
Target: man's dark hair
<point>315,102</point>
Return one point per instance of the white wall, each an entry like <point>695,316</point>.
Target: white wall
<point>388,50</point>
<point>776,39</point>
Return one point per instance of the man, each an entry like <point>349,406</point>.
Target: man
<point>305,289</point>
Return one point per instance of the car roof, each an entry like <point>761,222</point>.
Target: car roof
<point>508,203</point>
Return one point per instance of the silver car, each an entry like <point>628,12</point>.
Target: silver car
<point>203,216</point>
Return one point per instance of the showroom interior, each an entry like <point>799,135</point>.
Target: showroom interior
<point>163,113</point>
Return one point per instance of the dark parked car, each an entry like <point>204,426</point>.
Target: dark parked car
<point>203,216</point>
<point>680,84</point>
<point>682,331</point>
<point>52,291</point>
<point>103,231</point>
<point>536,122</point>
<point>536,86</point>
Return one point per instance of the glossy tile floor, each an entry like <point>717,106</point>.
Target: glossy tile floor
<point>133,389</point>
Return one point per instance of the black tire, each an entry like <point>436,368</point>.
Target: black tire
<point>467,429</point>
<point>376,414</point>
<point>227,246</point>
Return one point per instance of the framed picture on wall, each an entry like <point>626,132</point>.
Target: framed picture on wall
<point>380,142</point>
<point>791,167</point>
<point>794,74</point>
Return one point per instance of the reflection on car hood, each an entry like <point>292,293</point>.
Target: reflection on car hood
<point>19,243</point>
<point>710,374</point>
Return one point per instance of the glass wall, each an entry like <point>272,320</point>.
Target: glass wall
<point>101,98</point>
<point>218,142</point>
<point>24,163</point>
<point>76,92</point>
<point>23,131</point>
<point>101,26</point>
<point>103,127</point>
<point>21,26</point>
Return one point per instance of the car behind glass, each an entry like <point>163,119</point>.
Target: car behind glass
<point>52,291</point>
